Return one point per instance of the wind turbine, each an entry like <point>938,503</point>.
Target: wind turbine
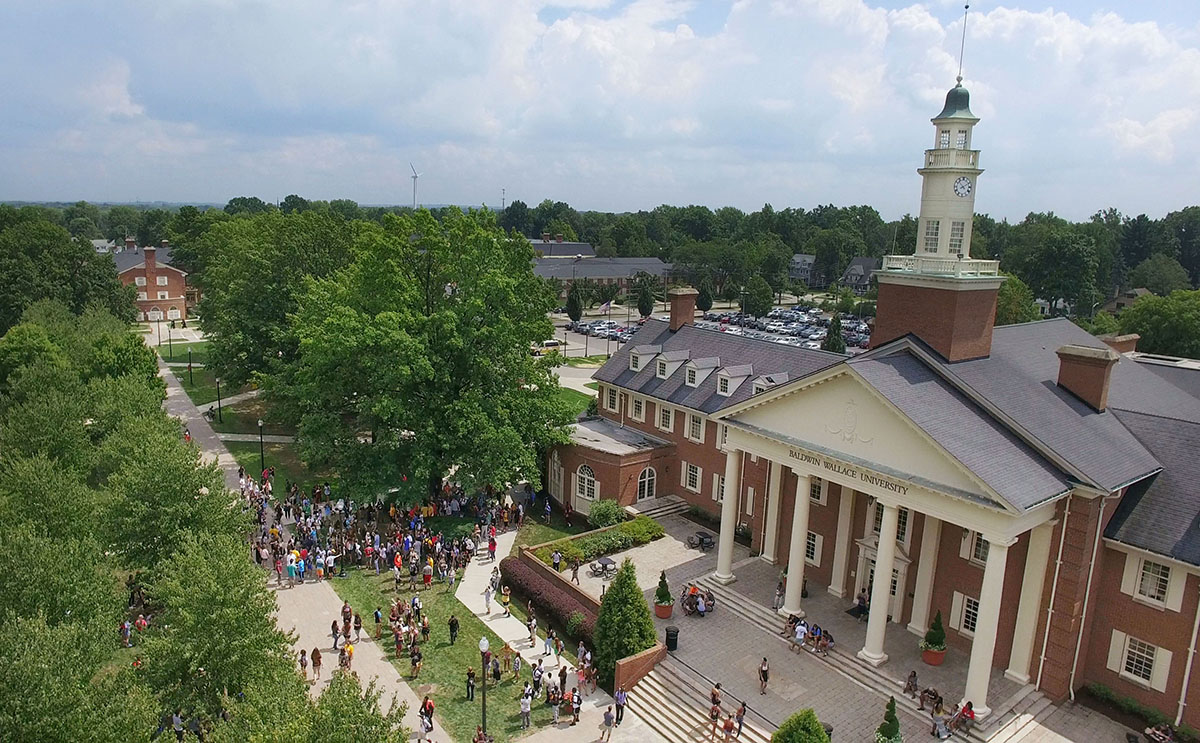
<point>415,176</point>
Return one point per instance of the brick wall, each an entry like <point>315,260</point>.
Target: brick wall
<point>634,668</point>
<point>958,324</point>
<point>526,556</point>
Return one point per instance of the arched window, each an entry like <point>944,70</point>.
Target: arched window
<point>585,482</point>
<point>646,484</point>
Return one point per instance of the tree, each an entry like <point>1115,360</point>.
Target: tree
<point>1167,325</point>
<point>293,203</point>
<point>607,292</point>
<point>624,626</point>
<point>834,341</point>
<point>801,727</point>
<point>1101,324</point>
<point>759,297</point>
<point>704,300</point>
<point>346,209</point>
<point>1160,274</point>
<point>247,205</point>
<point>414,360</point>
<point>39,260</point>
<point>152,229</point>
<point>83,228</point>
<point>121,222</point>
<point>516,216</point>
<point>1014,302</point>
<point>645,301</point>
<point>889,730</point>
<point>1060,267</point>
<point>574,304</point>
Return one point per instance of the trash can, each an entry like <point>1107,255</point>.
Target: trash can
<point>672,638</point>
<point>828,729</point>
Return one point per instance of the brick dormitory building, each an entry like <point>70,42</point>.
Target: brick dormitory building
<point>161,288</point>
<point>1035,484</point>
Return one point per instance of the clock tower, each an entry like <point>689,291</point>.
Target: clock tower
<point>939,293</point>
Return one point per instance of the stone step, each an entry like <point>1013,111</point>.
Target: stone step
<point>1026,722</point>
<point>678,710</point>
<point>750,610</point>
<point>664,506</point>
<point>685,679</point>
<point>1006,715</point>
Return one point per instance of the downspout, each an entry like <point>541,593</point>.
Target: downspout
<point>1187,673</point>
<point>1062,539</point>
<point>1087,595</point>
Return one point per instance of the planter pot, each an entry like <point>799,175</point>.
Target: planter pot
<point>663,611</point>
<point>933,657</point>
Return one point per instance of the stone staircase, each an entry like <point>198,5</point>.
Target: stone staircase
<point>673,701</point>
<point>656,508</point>
<point>1013,717</point>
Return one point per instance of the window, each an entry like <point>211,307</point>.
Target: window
<point>1154,582</point>
<point>957,231</point>
<point>758,388</point>
<point>816,492</point>
<point>646,482</point>
<point>638,410</point>
<point>1139,659</point>
<point>143,295</point>
<point>161,280</point>
<point>901,523</point>
<point>139,280</point>
<point>718,491</point>
<point>691,378</point>
<point>932,228</point>
<point>960,139</point>
<point>691,477</point>
<point>611,398</point>
<point>970,615</point>
<point>163,295</point>
<point>723,386</point>
<point>585,482</point>
<point>944,138</point>
<point>635,362</point>
<point>979,548</point>
<point>812,549</point>
<point>696,428</point>
<point>662,370</point>
<point>666,418</point>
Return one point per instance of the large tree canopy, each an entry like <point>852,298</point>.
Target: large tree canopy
<point>414,359</point>
<point>1168,325</point>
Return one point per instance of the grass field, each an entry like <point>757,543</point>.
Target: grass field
<point>444,674</point>
<point>243,417</point>
<point>536,531</point>
<point>180,349</point>
<point>592,385</point>
<point>204,390</point>
<point>586,361</point>
<point>577,401</point>
<point>283,457</point>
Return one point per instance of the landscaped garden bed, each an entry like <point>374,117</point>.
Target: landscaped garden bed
<point>590,545</point>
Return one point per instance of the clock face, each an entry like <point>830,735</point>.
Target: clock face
<point>962,187</point>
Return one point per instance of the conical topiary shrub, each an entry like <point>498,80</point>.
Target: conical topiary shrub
<point>889,729</point>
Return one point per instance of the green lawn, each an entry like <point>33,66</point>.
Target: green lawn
<point>592,385</point>
<point>243,417</point>
<point>587,361</point>
<point>283,457</point>
<point>444,674</point>
<point>180,349</point>
<point>536,531</point>
<point>577,401</point>
<point>204,390</point>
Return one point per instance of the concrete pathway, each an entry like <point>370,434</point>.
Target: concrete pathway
<point>267,438</point>
<point>182,365</point>
<point>576,378</point>
<point>235,399</point>
<point>513,631</point>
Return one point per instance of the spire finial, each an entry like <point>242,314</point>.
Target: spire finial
<point>962,47</point>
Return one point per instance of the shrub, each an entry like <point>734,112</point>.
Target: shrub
<point>587,547</point>
<point>1131,706</point>
<point>605,513</point>
<point>575,623</point>
<point>889,730</point>
<point>802,727</point>
<point>550,599</point>
<point>662,595</point>
<point>935,637</point>
<point>624,626</point>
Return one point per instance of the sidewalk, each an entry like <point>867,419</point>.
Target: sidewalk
<point>513,631</point>
<point>267,438</point>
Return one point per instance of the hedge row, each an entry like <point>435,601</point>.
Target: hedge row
<point>1131,706</point>
<point>588,546</point>
<point>549,598</point>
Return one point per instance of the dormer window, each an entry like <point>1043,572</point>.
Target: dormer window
<point>723,385</point>
<point>759,387</point>
<point>635,362</point>
<point>662,370</point>
<point>691,377</point>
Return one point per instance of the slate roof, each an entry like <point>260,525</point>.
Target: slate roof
<point>860,269</point>
<point>563,250</point>
<point>127,259</point>
<point>1184,373</point>
<point>764,356</point>
<point>1011,468</point>
<point>598,268</point>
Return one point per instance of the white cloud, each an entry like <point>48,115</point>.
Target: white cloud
<point>602,104</point>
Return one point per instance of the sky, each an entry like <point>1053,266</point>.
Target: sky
<point>605,104</point>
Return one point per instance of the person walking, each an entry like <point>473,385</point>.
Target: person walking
<point>606,731</point>
<point>470,684</point>
<point>316,663</point>
<point>728,726</point>
<point>357,627</point>
<point>576,703</point>
<point>714,714</point>
<point>556,560</point>
<point>549,643</point>
<point>740,718</point>
<point>453,624</point>
<point>575,571</point>
<point>487,599</point>
<point>336,632</point>
<point>525,708</point>
<point>621,697</point>
<point>378,622</point>
<point>764,673</point>
<point>304,664</point>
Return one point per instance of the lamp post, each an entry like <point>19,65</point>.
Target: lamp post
<point>262,458</point>
<point>483,654</point>
<point>190,380</point>
<point>171,340</point>
<point>219,418</point>
<point>158,324</point>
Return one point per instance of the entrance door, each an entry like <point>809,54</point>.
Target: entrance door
<point>647,482</point>
<point>892,609</point>
<point>556,477</point>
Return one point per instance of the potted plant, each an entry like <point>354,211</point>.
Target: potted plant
<point>664,603</point>
<point>933,647</point>
<point>889,731</point>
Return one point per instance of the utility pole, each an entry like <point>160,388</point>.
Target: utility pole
<point>503,199</point>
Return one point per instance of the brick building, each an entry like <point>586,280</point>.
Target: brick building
<point>161,288</point>
<point>1035,484</point>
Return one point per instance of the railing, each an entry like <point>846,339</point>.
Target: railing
<point>952,158</point>
<point>944,265</point>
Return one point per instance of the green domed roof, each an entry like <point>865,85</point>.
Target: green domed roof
<point>958,104</point>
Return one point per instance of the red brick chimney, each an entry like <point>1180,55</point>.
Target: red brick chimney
<point>164,243</point>
<point>1085,372</point>
<point>1122,343</point>
<point>558,238</point>
<point>683,306</point>
<point>130,243</point>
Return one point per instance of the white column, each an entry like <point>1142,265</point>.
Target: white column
<point>931,536</point>
<point>979,670</point>
<point>841,546</point>
<point>795,576</point>
<point>1032,583</point>
<point>881,588</point>
<point>771,532</point>
<point>729,515</point>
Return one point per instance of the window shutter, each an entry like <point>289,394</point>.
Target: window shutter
<point>597,493</point>
<point>817,550</point>
<point>683,474</point>
<point>574,484</point>
<point>1129,578</point>
<point>955,610</point>
<point>1162,669</point>
<point>964,547</point>
<point>1116,651</point>
<point>749,501</point>
<point>1175,586</point>
<point>716,490</point>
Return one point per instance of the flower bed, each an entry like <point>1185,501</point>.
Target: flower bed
<point>590,545</point>
<point>549,598</point>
